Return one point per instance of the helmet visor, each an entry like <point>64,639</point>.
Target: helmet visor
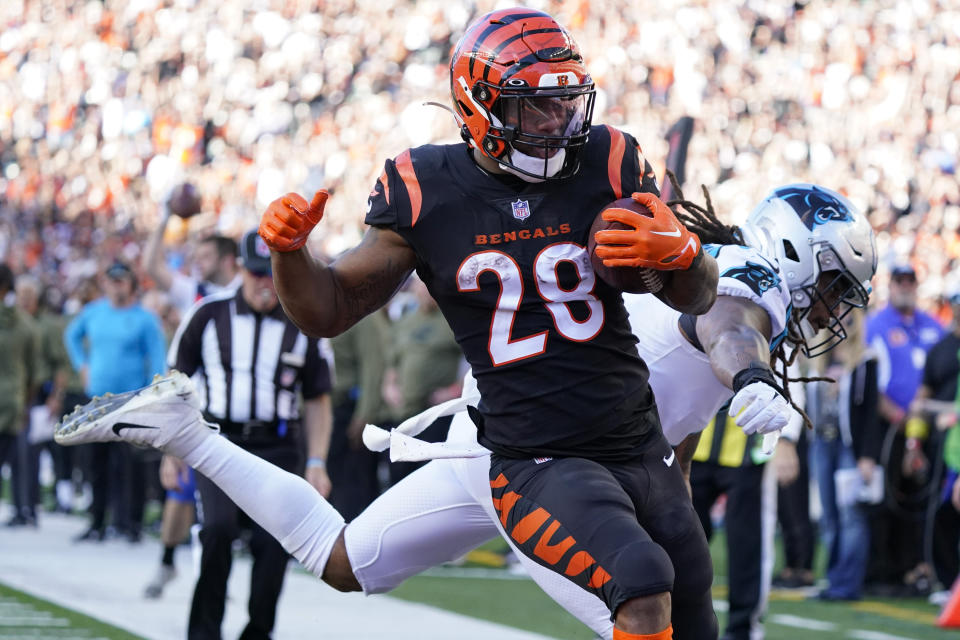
<point>542,123</point>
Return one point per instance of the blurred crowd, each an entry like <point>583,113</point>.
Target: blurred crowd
<point>104,105</point>
<point>107,105</point>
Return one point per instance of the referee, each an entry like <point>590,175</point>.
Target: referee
<point>252,361</point>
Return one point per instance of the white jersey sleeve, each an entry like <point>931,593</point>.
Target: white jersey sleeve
<point>746,273</point>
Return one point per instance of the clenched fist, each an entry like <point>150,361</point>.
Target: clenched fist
<point>655,239</point>
<point>288,221</point>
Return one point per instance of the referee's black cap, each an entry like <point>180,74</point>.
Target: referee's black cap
<point>254,254</point>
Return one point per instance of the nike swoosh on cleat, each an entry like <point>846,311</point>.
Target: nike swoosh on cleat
<point>120,426</point>
<point>670,234</point>
<point>668,460</point>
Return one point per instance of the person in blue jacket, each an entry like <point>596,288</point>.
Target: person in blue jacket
<point>117,346</point>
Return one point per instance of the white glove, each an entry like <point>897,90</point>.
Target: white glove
<point>759,408</point>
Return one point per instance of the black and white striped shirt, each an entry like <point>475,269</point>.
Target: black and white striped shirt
<point>249,364</point>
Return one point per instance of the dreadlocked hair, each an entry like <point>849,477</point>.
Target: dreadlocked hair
<point>703,221</point>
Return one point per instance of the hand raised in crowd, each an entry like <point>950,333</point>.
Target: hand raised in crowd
<point>288,220</point>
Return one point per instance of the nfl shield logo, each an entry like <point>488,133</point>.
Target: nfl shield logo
<point>521,209</point>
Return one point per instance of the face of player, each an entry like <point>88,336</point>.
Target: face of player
<point>259,292</point>
<point>538,117</point>
<point>837,295</point>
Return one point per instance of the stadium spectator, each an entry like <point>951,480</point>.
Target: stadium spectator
<point>360,355</point>
<point>940,374</point>
<point>900,334</point>
<point>847,441</point>
<point>117,345</point>
<point>18,344</point>
<point>52,372</point>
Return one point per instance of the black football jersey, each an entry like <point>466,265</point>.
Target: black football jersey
<point>506,260</point>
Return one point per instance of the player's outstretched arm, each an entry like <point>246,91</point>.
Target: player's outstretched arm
<point>326,300</point>
<point>735,335</point>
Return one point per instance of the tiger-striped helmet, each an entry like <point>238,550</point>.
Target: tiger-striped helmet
<point>521,94</point>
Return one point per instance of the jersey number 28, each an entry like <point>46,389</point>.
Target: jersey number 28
<point>502,347</point>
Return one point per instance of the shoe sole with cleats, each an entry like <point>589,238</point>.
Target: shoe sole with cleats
<point>133,416</point>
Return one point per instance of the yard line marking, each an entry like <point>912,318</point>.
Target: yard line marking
<point>891,611</point>
<point>473,572</point>
<point>863,634</point>
<point>802,623</point>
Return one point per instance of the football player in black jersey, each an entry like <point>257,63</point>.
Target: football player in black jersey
<point>497,228</point>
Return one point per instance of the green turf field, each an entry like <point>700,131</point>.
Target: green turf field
<point>485,590</point>
<point>520,603</point>
<point>23,616</point>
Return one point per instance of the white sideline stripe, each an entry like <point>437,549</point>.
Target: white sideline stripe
<point>106,580</point>
<point>30,621</point>
<point>863,634</point>
<point>802,623</point>
<point>473,572</point>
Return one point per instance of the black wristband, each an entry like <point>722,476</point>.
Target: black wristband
<point>756,372</point>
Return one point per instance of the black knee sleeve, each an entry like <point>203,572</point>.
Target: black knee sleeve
<point>639,569</point>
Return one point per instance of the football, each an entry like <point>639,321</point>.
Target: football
<point>184,200</point>
<point>627,279</point>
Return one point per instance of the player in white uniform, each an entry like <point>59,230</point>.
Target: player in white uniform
<point>811,259</point>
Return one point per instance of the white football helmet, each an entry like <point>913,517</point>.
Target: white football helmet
<point>810,231</point>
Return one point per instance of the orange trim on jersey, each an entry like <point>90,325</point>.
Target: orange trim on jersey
<point>579,563</point>
<point>405,169</point>
<point>506,503</point>
<point>618,145</point>
<point>551,553</point>
<point>385,181</point>
<point>666,634</point>
<point>500,481</point>
<point>599,578</point>
<point>529,525</point>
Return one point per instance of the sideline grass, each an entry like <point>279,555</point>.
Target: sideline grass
<point>521,604</point>
<point>24,616</point>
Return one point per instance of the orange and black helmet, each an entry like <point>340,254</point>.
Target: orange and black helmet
<point>521,93</point>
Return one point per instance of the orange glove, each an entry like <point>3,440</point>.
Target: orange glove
<point>656,241</point>
<point>288,221</point>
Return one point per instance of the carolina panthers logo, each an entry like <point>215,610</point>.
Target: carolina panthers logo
<point>814,206</point>
<point>758,277</point>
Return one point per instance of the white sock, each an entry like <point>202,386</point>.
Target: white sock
<point>285,505</point>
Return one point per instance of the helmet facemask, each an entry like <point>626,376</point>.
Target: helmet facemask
<point>542,129</point>
<point>830,298</point>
